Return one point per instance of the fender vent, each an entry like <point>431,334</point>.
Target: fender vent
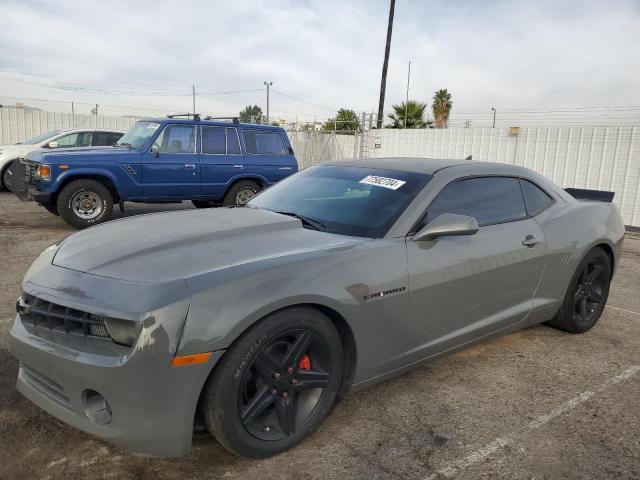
<point>130,170</point>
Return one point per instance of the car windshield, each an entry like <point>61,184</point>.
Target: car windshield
<point>138,134</point>
<point>357,201</point>
<point>41,138</point>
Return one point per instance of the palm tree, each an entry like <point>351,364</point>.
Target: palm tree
<point>442,107</point>
<point>412,111</point>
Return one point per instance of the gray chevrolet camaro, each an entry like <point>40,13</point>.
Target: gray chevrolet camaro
<point>256,320</point>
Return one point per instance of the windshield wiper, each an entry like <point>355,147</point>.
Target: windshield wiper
<point>310,222</point>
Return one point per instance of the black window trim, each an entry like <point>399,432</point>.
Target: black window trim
<point>414,228</point>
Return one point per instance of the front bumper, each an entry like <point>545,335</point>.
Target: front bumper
<point>152,404</point>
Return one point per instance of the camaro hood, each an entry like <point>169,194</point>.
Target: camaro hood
<point>166,246</point>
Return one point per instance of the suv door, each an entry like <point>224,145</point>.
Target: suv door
<point>464,287</point>
<point>268,153</point>
<point>170,168</point>
<point>221,159</point>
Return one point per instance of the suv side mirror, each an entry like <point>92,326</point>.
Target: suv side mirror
<point>447,224</point>
<point>53,144</point>
<point>155,149</point>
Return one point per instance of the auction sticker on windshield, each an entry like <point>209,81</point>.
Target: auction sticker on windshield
<point>385,182</point>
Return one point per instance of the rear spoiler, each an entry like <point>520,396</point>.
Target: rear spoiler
<point>593,195</point>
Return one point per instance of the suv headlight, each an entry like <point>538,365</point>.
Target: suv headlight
<point>43,172</point>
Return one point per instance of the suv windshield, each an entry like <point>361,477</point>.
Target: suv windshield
<point>357,201</point>
<point>41,138</point>
<point>138,134</point>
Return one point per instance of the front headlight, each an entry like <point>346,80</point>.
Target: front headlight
<point>124,332</point>
<point>43,172</point>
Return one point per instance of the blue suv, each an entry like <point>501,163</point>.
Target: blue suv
<point>207,161</point>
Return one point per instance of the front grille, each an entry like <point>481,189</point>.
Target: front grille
<point>41,314</point>
<point>29,170</point>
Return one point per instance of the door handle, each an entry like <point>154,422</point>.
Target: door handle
<point>238,166</point>
<point>189,166</point>
<point>531,241</point>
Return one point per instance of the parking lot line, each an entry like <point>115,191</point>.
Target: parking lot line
<point>483,453</point>
<point>623,310</point>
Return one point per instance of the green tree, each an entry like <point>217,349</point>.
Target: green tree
<point>442,107</point>
<point>412,111</point>
<point>251,114</point>
<point>346,121</point>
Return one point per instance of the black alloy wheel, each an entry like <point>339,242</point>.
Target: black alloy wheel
<point>589,289</point>
<point>276,384</point>
<point>587,294</point>
<point>281,388</point>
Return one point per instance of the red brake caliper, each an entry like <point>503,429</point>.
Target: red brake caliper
<point>305,363</point>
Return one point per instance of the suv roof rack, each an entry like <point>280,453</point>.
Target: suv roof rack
<point>233,119</point>
<point>196,116</point>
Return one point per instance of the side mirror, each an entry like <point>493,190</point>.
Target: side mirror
<point>447,224</point>
<point>155,149</point>
<point>53,144</point>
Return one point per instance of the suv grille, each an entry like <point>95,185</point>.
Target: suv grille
<point>39,313</point>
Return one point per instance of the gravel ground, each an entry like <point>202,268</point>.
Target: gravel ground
<point>535,404</point>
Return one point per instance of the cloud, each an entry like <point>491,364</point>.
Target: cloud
<point>327,53</point>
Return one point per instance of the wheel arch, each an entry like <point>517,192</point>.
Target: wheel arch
<point>609,251</point>
<point>264,183</point>
<point>98,177</point>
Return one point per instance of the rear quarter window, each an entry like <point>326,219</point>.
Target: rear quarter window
<point>535,198</point>
<point>262,142</point>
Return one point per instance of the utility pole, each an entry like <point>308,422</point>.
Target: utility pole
<point>385,65</point>
<point>268,84</point>
<point>193,94</point>
<point>494,117</point>
<point>73,114</point>
<point>406,104</point>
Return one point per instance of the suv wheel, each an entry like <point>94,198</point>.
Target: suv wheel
<point>83,203</point>
<point>240,193</point>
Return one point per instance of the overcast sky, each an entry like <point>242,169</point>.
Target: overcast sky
<point>328,53</point>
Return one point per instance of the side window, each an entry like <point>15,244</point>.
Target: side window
<point>263,142</point>
<point>488,199</point>
<point>233,143</point>
<point>214,141</point>
<point>105,139</point>
<point>67,140</point>
<point>177,139</point>
<point>535,198</point>
<point>84,139</point>
<point>114,137</point>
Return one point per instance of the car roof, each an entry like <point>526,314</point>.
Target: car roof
<point>429,166</point>
<point>202,121</point>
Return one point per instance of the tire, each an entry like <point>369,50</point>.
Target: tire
<point>587,294</point>
<point>51,208</point>
<point>6,177</point>
<point>88,196</point>
<point>240,193</point>
<point>244,374</point>
<point>202,203</point>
